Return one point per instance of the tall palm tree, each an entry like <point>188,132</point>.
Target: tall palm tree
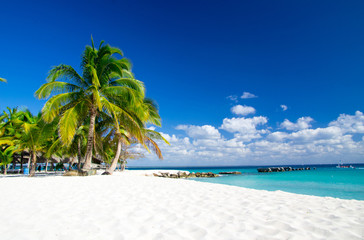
<point>80,98</point>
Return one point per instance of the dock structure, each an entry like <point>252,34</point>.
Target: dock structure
<point>282,169</point>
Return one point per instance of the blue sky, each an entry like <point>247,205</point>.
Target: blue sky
<point>193,55</point>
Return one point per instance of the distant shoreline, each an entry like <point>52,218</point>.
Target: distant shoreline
<point>239,166</point>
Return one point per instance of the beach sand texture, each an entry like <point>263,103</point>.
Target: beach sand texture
<point>128,206</point>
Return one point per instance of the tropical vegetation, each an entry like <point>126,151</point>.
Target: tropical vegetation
<point>97,113</point>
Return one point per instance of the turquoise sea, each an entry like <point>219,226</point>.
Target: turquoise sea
<point>326,180</point>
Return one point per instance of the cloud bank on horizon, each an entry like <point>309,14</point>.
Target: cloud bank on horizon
<point>242,140</point>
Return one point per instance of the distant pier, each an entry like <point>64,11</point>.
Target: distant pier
<point>283,169</point>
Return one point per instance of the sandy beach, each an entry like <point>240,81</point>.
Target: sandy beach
<point>130,206</point>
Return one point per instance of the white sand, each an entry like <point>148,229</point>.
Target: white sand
<point>128,206</point>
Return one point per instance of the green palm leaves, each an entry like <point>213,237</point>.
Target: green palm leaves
<point>105,91</point>
<point>100,110</point>
<point>3,80</point>
<point>21,131</point>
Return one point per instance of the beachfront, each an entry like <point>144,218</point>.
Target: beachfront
<point>128,205</point>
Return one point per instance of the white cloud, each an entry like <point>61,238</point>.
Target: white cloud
<point>278,136</point>
<point>233,98</point>
<point>206,131</point>
<point>169,138</point>
<point>301,123</point>
<point>243,125</point>
<point>284,107</point>
<point>247,95</point>
<point>350,123</point>
<point>242,110</point>
<point>254,143</point>
<point>309,135</point>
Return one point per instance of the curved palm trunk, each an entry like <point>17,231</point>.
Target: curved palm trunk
<point>79,154</point>
<point>33,164</point>
<point>123,164</point>
<point>70,163</point>
<point>114,163</point>
<point>30,157</point>
<point>46,167</point>
<point>14,162</point>
<point>90,141</point>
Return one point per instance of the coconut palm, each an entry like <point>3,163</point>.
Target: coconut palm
<point>80,98</point>
<point>52,147</point>
<point>145,113</point>
<point>34,137</point>
<point>6,156</point>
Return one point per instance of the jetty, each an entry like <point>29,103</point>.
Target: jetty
<point>282,169</point>
<point>237,173</point>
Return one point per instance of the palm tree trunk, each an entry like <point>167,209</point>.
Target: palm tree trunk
<point>70,163</point>
<point>123,164</point>
<point>114,163</point>
<point>90,141</point>
<point>79,154</point>
<point>5,168</point>
<point>30,156</point>
<point>46,167</point>
<point>33,164</point>
<point>14,161</point>
<point>21,161</point>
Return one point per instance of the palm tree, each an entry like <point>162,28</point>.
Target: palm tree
<point>3,80</point>
<point>145,113</point>
<point>80,98</point>
<point>6,156</point>
<point>77,148</point>
<point>34,137</point>
<point>52,147</point>
<point>11,123</point>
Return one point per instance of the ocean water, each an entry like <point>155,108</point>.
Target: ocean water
<point>325,181</point>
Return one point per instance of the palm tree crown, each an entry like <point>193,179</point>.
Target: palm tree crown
<point>106,86</point>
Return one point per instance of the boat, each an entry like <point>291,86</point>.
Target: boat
<point>340,165</point>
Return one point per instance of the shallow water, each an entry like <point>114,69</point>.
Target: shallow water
<point>327,180</point>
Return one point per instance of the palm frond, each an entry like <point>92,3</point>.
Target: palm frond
<point>55,87</point>
<point>130,83</point>
<point>155,147</point>
<point>63,71</point>
<point>151,134</point>
<point>6,141</point>
<point>123,94</point>
<point>68,125</point>
<point>52,107</point>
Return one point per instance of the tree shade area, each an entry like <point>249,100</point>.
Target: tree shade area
<point>94,115</point>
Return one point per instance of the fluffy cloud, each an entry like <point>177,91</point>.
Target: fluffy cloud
<point>301,123</point>
<point>284,107</point>
<point>242,110</point>
<point>206,131</point>
<point>254,143</point>
<point>247,95</point>
<point>350,123</point>
<point>243,125</point>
